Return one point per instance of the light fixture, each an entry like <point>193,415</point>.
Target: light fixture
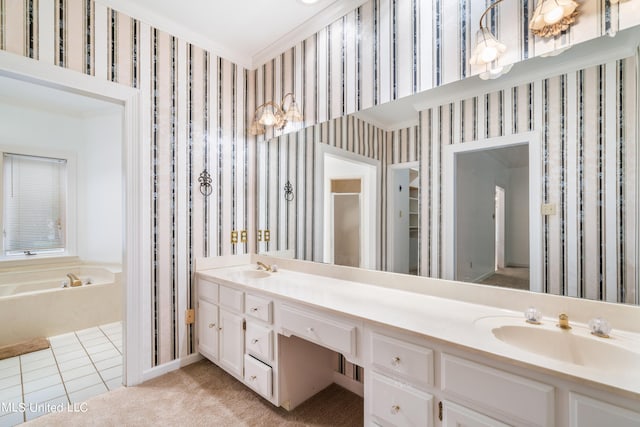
<point>551,17</point>
<point>488,49</point>
<point>272,114</point>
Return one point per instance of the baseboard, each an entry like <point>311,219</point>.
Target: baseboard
<point>165,368</point>
<point>483,276</point>
<point>349,383</point>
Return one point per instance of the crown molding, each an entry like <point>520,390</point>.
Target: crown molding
<point>305,30</point>
<point>169,26</point>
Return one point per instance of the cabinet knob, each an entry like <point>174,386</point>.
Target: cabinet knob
<point>395,361</point>
<point>219,329</point>
<point>395,409</point>
<point>254,309</point>
<point>310,329</point>
<point>252,378</point>
<point>254,341</point>
<point>211,325</point>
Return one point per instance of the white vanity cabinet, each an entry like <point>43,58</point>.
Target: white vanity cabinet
<point>207,326</point>
<point>588,412</point>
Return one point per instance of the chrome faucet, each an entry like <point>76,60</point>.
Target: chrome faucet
<point>563,321</point>
<point>264,266</point>
<point>74,280</point>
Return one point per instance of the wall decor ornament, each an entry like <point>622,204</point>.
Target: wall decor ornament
<point>288,192</point>
<point>205,183</point>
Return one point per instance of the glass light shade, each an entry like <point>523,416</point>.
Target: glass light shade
<point>268,116</point>
<point>487,48</point>
<point>293,114</point>
<point>551,12</point>
<point>256,128</point>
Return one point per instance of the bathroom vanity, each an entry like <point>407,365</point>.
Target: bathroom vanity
<point>429,358</point>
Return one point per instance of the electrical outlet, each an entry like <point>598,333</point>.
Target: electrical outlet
<point>234,237</point>
<point>267,235</point>
<point>243,236</point>
<point>190,316</point>
<point>548,209</point>
<point>259,235</point>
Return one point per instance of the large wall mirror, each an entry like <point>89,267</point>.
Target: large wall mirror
<point>528,181</point>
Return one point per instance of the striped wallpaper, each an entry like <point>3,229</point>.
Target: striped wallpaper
<point>291,158</point>
<point>591,252</point>
<point>200,105</point>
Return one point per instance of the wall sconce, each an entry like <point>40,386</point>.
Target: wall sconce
<point>288,192</point>
<point>551,17</point>
<point>205,183</point>
<point>272,114</point>
<point>488,49</point>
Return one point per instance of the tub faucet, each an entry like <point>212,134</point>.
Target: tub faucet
<point>74,280</point>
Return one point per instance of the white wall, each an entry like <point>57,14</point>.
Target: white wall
<point>96,142</point>
<point>100,200</point>
<point>517,218</point>
<point>477,175</point>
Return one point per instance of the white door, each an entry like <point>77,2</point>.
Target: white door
<point>208,329</point>
<point>231,341</point>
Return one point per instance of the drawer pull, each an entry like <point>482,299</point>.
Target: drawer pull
<point>252,378</point>
<point>219,329</point>
<point>254,309</point>
<point>310,330</point>
<point>254,341</point>
<point>212,325</point>
<point>395,409</point>
<point>395,361</point>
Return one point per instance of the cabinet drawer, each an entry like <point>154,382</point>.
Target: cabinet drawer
<point>259,341</point>
<point>231,298</point>
<point>208,290</point>
<point>523,399</point>
<point>397,404</point>
<point>257,375</point>
<point>407,360</point>
<point>259,307</point>
<point>319,328</point>
<point>455,415</point>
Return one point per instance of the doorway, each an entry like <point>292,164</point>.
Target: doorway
<point>490,223</point>
<point>403,218</point>
<point>345,221</point>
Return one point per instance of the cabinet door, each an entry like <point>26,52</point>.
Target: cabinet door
<point>458,416</point>
<point>231,341</point>
<point>588,412</point>
<point>208,329</point>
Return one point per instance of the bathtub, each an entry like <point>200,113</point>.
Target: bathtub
<point>34,303</point>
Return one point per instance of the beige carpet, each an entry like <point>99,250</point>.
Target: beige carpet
<point>509,277</point>
<point>203,395</point>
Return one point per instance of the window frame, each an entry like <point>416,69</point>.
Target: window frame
<point>71,223</point>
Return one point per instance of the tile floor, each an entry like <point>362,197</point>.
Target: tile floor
<point>79,365</point>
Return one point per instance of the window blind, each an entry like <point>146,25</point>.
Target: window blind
<point>34,196</point>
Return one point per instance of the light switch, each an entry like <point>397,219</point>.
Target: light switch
<point>548,209</point>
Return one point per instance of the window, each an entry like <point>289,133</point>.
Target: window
<point>34,204</point>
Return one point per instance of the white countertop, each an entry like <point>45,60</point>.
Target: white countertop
<point>447,320</point>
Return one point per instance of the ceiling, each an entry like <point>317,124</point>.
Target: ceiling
<point>248,32</point>
<point>19,93</point>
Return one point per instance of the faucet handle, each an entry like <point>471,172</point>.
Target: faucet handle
<point>600,327</point>
<point>533,315</point>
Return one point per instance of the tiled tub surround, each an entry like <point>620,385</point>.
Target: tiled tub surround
<point>79,365</point>
<point>438,319</point>
<point>34,304</point>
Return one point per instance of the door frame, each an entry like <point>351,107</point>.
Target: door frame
<point>532,139</point>
<point>136,203</point>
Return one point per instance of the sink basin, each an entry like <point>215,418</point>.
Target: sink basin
<point>576,346</point>
<point>254,274</point>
